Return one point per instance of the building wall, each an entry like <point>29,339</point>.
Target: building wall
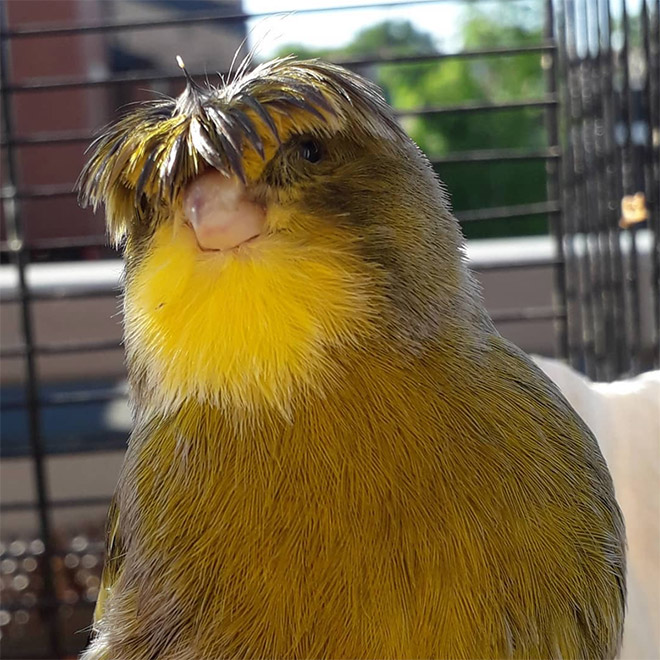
<point>94,56</point>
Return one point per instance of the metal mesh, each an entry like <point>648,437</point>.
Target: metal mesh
<point>609,94</point>
<point>601,112</point>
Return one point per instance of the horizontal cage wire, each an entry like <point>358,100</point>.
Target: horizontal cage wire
<point>588,236</point>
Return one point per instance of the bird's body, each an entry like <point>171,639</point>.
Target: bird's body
<point>335,455</point>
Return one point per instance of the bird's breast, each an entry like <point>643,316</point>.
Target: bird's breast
<point>299,535</point>
<point>245,327</point>
<point>390,516</point>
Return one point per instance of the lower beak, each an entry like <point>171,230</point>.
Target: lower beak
<point>221,213</point>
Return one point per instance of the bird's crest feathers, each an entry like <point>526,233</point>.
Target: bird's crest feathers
<point>142,161</point>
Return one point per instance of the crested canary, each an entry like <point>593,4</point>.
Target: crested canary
<point>334,454</point>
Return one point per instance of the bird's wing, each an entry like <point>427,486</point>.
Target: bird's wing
<point>114,555</point>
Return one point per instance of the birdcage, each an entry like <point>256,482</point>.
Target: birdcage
<point>582,284</point>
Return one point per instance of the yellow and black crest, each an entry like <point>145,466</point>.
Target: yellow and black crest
<point>145,158</point>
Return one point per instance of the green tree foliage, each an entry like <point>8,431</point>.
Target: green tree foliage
<point>447,82</point>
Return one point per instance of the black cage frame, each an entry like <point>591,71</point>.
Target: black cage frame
<point>593,161</point>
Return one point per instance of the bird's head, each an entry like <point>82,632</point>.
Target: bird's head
<point>268,224</point>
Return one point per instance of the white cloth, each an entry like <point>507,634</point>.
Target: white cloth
<point>625,418</point>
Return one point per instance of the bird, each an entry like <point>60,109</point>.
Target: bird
<point>334,453</point>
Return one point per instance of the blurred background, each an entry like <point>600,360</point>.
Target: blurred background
<point>541,116</point>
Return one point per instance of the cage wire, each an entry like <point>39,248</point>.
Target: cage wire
<point>600,64</point>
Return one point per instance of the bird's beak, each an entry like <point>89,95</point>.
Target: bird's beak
<point>221,213</point>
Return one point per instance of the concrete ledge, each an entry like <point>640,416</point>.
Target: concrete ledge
<point>75,278</point>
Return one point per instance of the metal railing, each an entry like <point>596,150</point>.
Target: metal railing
<point>597,290</point>
<point>603,166</point>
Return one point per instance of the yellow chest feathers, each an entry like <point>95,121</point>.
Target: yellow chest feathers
<point>245,327</point>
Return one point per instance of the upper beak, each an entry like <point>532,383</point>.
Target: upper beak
<point>220,211</point>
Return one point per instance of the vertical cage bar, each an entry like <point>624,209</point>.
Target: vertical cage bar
<point>630,178</point>
<point>574,314</point>
<point>655,126</point>
<point>592,209</point>
<point>650,24</point>
<point>15,234</point>
<point>555,221</point>
<point>579,192</point>
<point>613,190</point>
<point>599,184</point>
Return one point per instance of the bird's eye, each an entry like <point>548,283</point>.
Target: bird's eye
<point>310,150</point>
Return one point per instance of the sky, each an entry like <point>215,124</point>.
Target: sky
<point>336,28</point>
<point>442,18</point>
